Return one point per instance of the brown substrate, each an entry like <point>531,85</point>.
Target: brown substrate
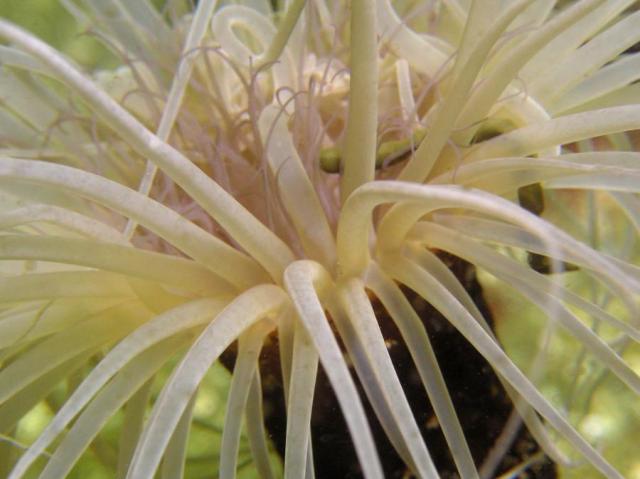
<point>480,400</point>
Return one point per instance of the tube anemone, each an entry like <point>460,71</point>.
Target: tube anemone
<point>303,193</point>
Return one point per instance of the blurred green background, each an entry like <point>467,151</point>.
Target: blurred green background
<point>51,22</point>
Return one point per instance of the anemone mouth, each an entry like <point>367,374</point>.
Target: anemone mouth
<point>285,197</point>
